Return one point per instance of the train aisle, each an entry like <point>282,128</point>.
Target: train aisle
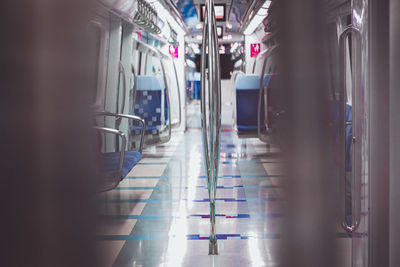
<point>159,215</point>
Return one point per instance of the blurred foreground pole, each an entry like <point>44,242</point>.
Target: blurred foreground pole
<point>394,233</point>
<point>309,234</point>
<point>45,135</point>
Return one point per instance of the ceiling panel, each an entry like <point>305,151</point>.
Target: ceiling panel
<point>235,10</point>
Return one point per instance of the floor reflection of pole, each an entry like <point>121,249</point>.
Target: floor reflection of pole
<point>213,240</point>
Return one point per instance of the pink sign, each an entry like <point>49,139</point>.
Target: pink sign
<point>173,51</point>
<point>254,49</point>
<point>139,36</point>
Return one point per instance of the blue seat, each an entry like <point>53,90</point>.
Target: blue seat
<point>196,89</point>
<point>247,92</point>
<point>148,103</point>
<point>196,80</point>
<point>110,161</point>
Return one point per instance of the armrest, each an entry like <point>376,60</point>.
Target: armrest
<point>123,137</point>
<point>129,117</point>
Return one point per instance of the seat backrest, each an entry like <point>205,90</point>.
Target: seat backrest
<point>148,102</point>
<point>247,82</point>
<point>251,81</point>
<point>149,83</point>
<point>247,87</point>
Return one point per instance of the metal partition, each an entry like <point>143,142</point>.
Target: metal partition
<point>178,91</point>
<point>147,49</point>
<point>262,93</point>
<point>211,91</point>
<point>179,97</point>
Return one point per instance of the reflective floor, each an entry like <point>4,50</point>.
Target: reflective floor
<point>163,205</point>
<point>159,215</point>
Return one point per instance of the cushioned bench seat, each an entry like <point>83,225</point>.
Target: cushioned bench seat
<point>110,161</point>
<point>148,102</point>
<point>247,92</point>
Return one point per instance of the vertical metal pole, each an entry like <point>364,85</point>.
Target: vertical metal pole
<point>217,107</point>
<point>211,178</point>
<point>212,141</point>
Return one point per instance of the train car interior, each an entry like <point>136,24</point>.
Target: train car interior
<point>201,133</point>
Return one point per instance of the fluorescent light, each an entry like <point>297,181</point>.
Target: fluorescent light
<point>257,19</point>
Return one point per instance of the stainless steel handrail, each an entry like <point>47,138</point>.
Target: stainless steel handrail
<point>164,140</point>
<point>211,143</point>
<point>123,137</point>
<point>179,96</point>
<point>121,159</point>
<point>261,91</point>
<point>122,70</point>
<point>355,174</point>
<point>134,88</point>
<point>263,54</point>
<point>130,117</point>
